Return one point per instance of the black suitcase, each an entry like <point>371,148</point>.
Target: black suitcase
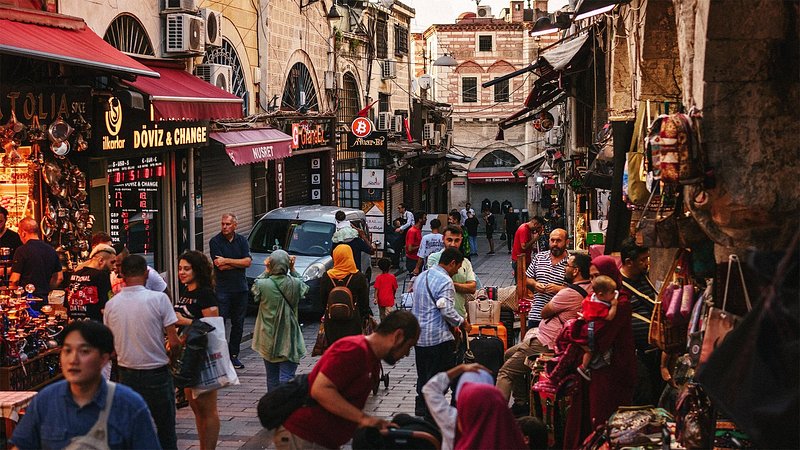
<point>487,349</point>
<point>410,433</point>
<point>507,317</point>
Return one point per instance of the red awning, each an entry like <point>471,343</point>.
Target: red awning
<point>62,39</point>
<point>179,95</point>
<point>496,177</point>
<point>254,145</point>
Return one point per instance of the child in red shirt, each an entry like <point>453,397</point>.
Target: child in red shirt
<point>596,309</point>
<point>385,288</point>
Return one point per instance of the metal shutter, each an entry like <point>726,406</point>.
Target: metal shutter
<point>225,188</point>
<point>298,181</point>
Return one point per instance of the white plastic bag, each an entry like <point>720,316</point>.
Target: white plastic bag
<point>217,371</point>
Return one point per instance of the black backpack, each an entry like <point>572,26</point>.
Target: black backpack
<point>340,301</point>
<point>277,405</point>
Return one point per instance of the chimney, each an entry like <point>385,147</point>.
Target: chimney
<point>517,8</point>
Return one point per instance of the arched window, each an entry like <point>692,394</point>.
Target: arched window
<point>299,93</point>
<point>349,104</point>
<point>498,158</point>
<point>127,34</point>
<point>226,55</point>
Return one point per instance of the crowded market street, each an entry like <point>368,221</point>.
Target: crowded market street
<point>237,404</point>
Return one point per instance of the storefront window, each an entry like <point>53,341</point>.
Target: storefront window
<point>349,184</point>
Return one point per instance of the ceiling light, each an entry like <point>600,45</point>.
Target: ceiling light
<point>591,8</point>
<point>445,60</point>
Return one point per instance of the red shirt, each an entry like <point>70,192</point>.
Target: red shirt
<point>522,236</point>
<point>352,366</point>
<point>413,238</point>
<point>385,288</point>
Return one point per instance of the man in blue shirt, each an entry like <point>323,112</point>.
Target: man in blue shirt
<point>70,408</point>
<point>231,256</point>
<point>434,308</point>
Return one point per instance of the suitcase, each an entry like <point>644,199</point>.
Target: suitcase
<point>496,329</point>
<point>488,349</point>
<point>550,407</point>
<point>507,318</point>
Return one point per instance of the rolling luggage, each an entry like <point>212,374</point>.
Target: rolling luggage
<point>488,349</point>
<point>507,318</point>
<point>495,329</point>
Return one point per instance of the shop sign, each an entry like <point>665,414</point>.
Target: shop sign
<point>316,180</point>
<point>126,129</point>
<point>279,186</point>
<point>309,135</point>
<point>374,142</point>
<point>372,178</point>
<point>46,102</point>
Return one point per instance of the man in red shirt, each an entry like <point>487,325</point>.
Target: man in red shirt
<point>525,239</point>
<point>413,239</point>
<point>341,383</point>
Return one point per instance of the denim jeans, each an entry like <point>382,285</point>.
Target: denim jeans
<point>473,244</point>
<point>233,306</point>
<point>155,386</point>
<point>279,373</point>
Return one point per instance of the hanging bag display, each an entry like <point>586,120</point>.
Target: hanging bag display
<point>664,334</point>
<point>638,194</point>
<point>720,322</point>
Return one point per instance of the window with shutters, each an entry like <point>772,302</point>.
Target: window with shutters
<point>485,43</point>
<point>400,40</point>
<point>469,89</point>
<point>501,91</point>
<point>383,102</point>
<point>349,104</point>
<point>381,39</point>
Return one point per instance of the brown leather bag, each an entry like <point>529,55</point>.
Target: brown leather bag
<point>720,322</point>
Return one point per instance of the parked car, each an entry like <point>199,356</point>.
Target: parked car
<point>305,232</point>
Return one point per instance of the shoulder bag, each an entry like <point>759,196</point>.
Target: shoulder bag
<point>720,322</point>
<point>97,437</point>
<point>663,334</point>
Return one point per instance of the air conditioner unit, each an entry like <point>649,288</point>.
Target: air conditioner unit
<point>185,33</point>
<point>213,29</point>
<point>385,121</point>
<point>437,138</point>
<point>553,136</point>
<point>183,5</point>
<point>217,74</point>
<point>448,141</point>
<point>485,12</point>
<point>389,69</point>
<point>398,124</point>
<point>427,131</point>
<point>333,80</point>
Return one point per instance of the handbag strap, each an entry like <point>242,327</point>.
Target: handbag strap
<point>731,259</point>
<point>282,294</point>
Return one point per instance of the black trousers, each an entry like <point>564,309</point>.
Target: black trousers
<point>430,361</point>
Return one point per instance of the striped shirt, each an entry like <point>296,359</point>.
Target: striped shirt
<point>642,295</point>
<point>435,320</point>
<point>543,271</point>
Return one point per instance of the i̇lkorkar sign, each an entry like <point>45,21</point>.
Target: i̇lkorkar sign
<point>364,138</point>
<point>125,129</point>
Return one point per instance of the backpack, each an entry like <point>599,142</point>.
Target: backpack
<point>340,301</point>
<point>278,404</point>
<point>674,149</point>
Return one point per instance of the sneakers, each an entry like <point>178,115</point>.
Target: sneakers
<point>490,253</point>
<point>585,373</point>
<point>236,363</point>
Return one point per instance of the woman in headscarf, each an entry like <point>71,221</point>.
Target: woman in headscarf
<point>345,274</point>
<point>484,420</point>
<point>277,335</point>
<point>612,385</point>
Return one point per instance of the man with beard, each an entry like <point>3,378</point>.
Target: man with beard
<point>341,382</point>
<point>565,305</point>
<point>546,274</point>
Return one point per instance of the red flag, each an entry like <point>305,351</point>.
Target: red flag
<point>365,112</point>
<point>408,129</point>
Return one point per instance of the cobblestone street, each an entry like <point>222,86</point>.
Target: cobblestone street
<point>237,405</point>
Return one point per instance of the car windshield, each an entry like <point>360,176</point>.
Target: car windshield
<point>310,238</point>
<point>269,235</point>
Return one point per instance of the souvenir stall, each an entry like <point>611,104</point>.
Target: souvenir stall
<point>42,138</point>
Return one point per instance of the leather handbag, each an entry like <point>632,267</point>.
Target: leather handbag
<point>720,322</point>
<point>321,344</point>
<point>484,312</point>
<point>664,334</point>
<point>637,176</point>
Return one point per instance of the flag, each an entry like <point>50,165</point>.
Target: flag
<point>365,112</point>
<point>408,129</point>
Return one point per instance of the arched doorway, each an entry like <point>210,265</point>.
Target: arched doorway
<point>493,179</point>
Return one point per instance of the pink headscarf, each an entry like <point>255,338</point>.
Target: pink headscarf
<point>484,420</point>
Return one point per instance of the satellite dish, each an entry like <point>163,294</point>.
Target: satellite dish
<point>425,81</point>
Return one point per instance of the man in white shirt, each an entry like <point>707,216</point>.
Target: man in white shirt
<point>154,281</point>
<point>431,243</point>
<point>139,318</point>
<point>465,211</point>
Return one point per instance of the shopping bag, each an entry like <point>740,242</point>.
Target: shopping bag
<point>484,312</point>
<point>720,322</point>
<point>322,341</point>
<point>217,370</point>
